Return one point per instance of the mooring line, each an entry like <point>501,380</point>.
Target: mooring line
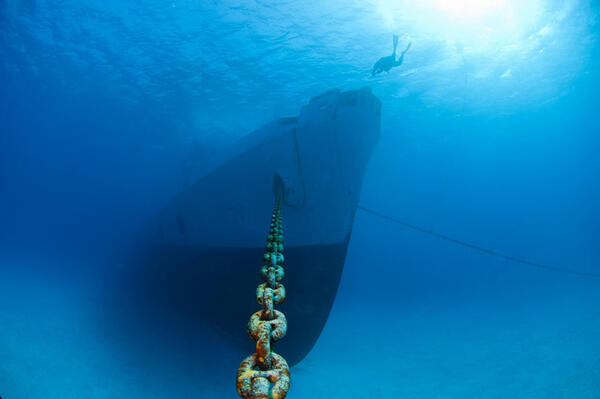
<point>477,247</point>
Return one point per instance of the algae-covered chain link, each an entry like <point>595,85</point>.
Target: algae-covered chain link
<point>266,374</point>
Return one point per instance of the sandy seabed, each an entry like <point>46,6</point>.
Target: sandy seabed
<point>54,344</point>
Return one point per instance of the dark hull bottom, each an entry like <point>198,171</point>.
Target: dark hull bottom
<point>183,286</point>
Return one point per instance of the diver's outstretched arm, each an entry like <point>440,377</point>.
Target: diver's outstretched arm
<point>395,45</point>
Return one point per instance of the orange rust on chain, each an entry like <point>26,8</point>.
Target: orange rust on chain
<point>267,303</point>
<point>265,374</point>
<point>278,293</point>
<point>247,375</point>
<point>272,274</point>
<point>277,325</point>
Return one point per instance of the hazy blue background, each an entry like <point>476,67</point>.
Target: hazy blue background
<point>489,134</point>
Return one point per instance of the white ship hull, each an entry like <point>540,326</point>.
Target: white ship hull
<point>210,238</point>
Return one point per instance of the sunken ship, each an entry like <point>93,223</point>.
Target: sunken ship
<point>210,238</point>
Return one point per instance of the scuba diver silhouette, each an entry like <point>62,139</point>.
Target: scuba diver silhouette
<point>387,63</point>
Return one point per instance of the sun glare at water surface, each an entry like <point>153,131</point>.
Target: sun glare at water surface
<point>473,22</point>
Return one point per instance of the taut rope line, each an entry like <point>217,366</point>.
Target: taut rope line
<point>478,248</point>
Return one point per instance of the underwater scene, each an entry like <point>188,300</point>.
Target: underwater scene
<point>299,199</point>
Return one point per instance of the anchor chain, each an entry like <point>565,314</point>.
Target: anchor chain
<point>265,374</point>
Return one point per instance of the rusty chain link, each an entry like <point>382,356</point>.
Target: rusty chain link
<point>265,374</point>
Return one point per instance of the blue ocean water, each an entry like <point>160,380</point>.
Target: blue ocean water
<point>489,135</point>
